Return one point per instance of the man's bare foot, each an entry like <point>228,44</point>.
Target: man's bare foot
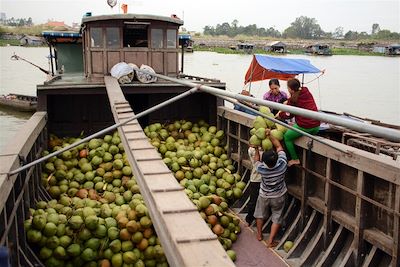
<point>293,162</point>
<point>272,244</point>
<point>259,237</point>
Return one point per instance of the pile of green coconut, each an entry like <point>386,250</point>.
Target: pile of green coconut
<point>260,124</point>
<point>196,153</point>
<point>97,216</point>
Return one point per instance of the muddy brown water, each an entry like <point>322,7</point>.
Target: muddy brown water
<point>365,86</point>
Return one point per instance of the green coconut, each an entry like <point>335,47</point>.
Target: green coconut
<point>277,134</point>
<point>266,144</point>
<point>259,122</point>
<point>260,133</point>
<point>254,140</point>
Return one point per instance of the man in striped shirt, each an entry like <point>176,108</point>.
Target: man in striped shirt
<point>272,194</point>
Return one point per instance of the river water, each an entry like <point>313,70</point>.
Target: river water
<point>364,86</point>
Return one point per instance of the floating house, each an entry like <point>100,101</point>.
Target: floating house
<point>379,49</point>
<point>318,49</point>
<point>245,47</point>
<point>29,40</point>
<point>276,46</point>
<point>393,50</point>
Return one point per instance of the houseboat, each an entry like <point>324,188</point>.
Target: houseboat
<point>318,49</point>
<point>245,47</point>
<point>344,203</point>
<point>276,47</point>
<point>393,50</point>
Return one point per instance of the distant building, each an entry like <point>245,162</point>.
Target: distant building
<point>379,49</point>
<point>3,16</point>
<point>276,46</point>
<point>245,47</point>
<point>318,49</point>
<point>52,23</point>
<point>393,50</point>
<point>28,40</point>
<point>76,25</point>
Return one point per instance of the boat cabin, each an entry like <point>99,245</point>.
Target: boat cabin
<point>319,49</point>
<point>81,61</point>
<point>66,53</point>
<point>131,38</point>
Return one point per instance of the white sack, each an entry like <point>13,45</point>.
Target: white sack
<point>144,77</point>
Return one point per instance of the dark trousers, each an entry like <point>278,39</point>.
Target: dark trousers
<point>254,188</point>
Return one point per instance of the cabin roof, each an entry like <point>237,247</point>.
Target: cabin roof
<point>61,34</point>
<point>31,37</point>
<point>276,43</point>
<point>394,46</point>
<point>131,17</point>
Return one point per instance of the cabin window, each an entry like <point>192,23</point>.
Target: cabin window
<point>96,37</point>
<point>157,38</point>
<point>135,35</point>
<point>171,38</point>
<point>112,37</point>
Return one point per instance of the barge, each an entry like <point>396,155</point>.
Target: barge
<point>344,204</point>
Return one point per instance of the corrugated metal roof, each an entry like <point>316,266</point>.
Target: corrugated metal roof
<point>276,43</point>
<point>60,34</point>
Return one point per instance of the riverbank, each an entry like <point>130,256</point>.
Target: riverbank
<point>223,44</point>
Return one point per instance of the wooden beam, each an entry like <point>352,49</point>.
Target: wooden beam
<point>396,229</point>
<point>359,245</point>
<point>304,188</point>
<point>328,205</point>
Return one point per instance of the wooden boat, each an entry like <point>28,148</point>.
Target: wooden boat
<point>19,102</point>
<point>344,204</point>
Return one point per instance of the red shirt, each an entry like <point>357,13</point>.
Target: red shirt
<point>306,101</point>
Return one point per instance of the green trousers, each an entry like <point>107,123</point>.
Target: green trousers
<point>290,136</point>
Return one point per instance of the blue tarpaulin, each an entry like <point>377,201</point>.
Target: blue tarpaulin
<point>267,67</point>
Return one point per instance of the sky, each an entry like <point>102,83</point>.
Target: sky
<point>355,15</point>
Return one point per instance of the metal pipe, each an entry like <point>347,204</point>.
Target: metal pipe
<point>104,131</point>
<point>387,133</point>
<point>316,138</point>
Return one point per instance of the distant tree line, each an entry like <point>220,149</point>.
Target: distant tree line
<point>17,22</point>
<point>303,28</point>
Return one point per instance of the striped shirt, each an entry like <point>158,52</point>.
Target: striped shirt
<point>273,179</point>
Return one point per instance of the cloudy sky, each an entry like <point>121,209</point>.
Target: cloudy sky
<point>356,15</point>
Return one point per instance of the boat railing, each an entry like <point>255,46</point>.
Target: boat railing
<point>358,190</point>
<point>19,191</point>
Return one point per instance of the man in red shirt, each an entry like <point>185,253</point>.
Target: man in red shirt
<point>302,98</point>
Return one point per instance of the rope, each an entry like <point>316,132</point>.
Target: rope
<point>322,73</point>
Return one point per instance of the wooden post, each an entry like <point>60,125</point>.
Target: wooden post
<point>396,229</point>
<point>303,190</point>
<point>359,245</point>
<point>328,204</point>
<point>239,137</point>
